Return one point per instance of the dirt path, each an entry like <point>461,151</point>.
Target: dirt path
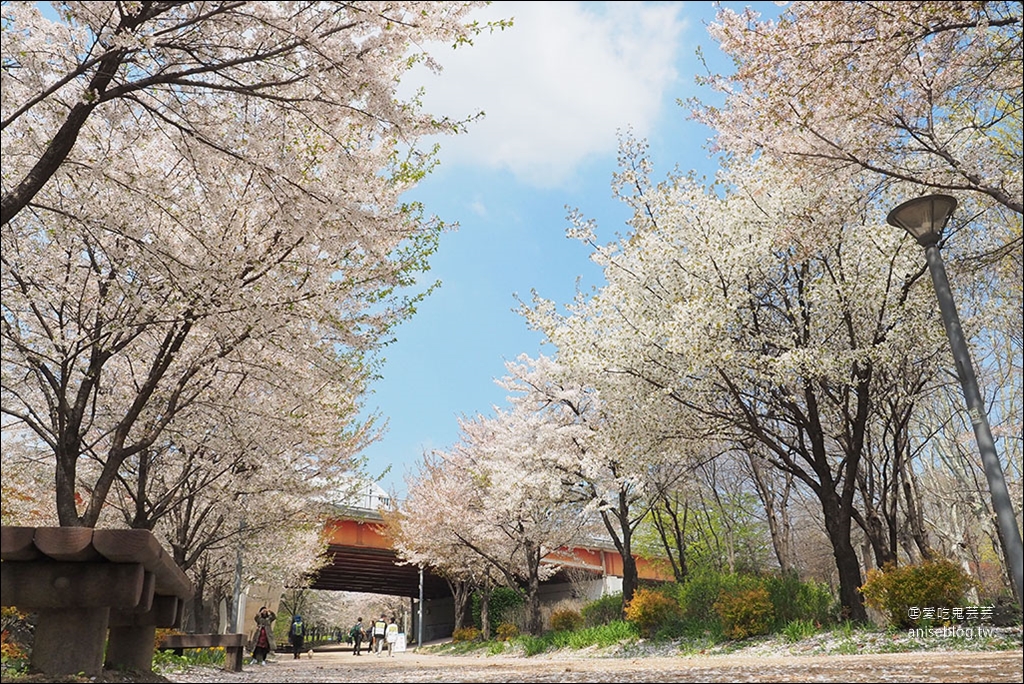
<point>985,666</point>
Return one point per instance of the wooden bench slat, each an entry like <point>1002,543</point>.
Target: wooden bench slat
<point>171,580</point>
<point>203,641</point>
<point>71,585</point>
<point>66,543</point>
<point>16,543</point>
<point>141,546</point>
<point>233,644</point>
<point>165,612</point>
<point>148,593</point>
<point>128,546</point>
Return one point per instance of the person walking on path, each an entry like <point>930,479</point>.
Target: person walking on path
<point>356,635</point>
<point>391,635</point>
<point>261,641</point>
<point>380,626</point>
<point>297,635</point>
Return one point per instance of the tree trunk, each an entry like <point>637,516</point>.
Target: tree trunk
<point>66,496</point>
<point>461,593</point>
<point>630,580</point>
<point>837,524</point>
<point>536,622</point>
<point>875,531</point>
<point>630,577</point>
<point>915,514</point>
<point>485,610</point>
<point>776,515</point>
<point>672,533</point>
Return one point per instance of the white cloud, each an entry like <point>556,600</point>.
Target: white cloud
<point>556,86</point>
<point>478,207</point>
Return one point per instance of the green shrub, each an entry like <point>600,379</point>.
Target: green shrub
<point>702,589</point>
<point>503,600</point>
<point>566,619</point>
<point>745,612</point>
<point>612,633</point>
<point>698,593</point>
<point>649,610</point>
<point>602,611</point>
<point>192,656</point>
<point>895,591</point>
<point>466,634</point>
<point>603,636</point>
<point>675,628</point>
<point>506,631</point>
<point>798,630</point>
<point>793,600</point>
<point>532,645</point>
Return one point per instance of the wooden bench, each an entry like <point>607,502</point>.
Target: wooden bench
<point>233,645</point>
<point>90,588</point>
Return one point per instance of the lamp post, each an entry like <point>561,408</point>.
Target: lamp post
<point>924,218</point>
<point>237,614</point>
<point>419,620</point>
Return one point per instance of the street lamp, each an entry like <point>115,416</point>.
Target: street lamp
<point>236,609</point>
<point>419,619</point>
<point>924,218</point>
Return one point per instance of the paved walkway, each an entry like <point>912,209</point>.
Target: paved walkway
<point>342,666</point>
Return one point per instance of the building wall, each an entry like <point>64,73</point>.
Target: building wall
<point>438,620</point>
<point>439,614</point>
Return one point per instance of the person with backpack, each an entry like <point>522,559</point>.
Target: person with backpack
<point>391,635</point>
<point>355,635</point>
<point>297,635</point>
<point>380,626</point>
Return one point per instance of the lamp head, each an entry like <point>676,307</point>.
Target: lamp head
<point>923,217</point>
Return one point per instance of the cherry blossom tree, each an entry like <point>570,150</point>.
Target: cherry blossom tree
<point>774,313</point>
<point>424,533</point>
<point>25,498</point>
<point>244,484</point>
<point>614,460</point>
<point>224,78</point>
<point>99,361</point>
<point>202,205</point>
<point>922,92</point>
<point>205,507</point>
<point>511,510</point>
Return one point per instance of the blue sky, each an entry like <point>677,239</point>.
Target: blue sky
<point>556,89</point>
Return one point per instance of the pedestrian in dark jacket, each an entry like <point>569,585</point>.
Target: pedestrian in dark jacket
<point>380,627</point>
<point>297,635</point>
<point>356,636</point>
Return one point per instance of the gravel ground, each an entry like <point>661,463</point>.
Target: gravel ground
<point>858,656</point>
<point>840,656</point>
<point>986,666</point>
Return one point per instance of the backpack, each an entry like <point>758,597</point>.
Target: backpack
<point>356,631</point>
<point>297,628</point>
